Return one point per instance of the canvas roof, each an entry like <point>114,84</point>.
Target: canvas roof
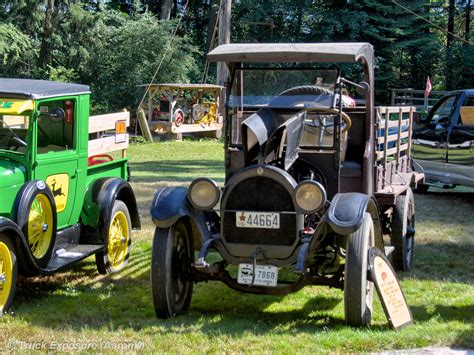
<point>292,52</point>
<point>37,89</point>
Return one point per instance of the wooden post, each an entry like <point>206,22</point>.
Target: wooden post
<point>144,125</point>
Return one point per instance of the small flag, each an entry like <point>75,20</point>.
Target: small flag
<point>428,86</point>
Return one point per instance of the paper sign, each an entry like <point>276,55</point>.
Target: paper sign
<point>388,288</point>
<point>120,131</point>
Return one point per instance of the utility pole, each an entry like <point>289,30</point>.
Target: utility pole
<point>224,38</point>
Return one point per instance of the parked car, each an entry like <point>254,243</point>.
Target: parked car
<point>307,192</point>
<point>443,143</point>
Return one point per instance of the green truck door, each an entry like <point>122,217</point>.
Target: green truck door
<point>57,155</point>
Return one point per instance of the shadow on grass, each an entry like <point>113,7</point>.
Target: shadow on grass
<point>172,170</point>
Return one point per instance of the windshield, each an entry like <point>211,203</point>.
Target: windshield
<point>282,88</point>
<point>13,132</point>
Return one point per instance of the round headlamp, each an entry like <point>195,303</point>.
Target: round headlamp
<point>310,196</point>
<point>204,193</point>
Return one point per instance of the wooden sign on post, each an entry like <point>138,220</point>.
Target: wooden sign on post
<point>388,288</point>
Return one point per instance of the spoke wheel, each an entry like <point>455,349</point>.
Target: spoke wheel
<point>36,216</point>
<point>40,220</point>
<point>8,274</point>
<point>403,232</point>
<point>172,256</point>
<point>119,239</point>
<point>358,290</point>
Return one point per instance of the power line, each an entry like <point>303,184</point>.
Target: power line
<point>431,23</point>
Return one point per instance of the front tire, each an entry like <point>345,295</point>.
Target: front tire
<point>172,256</point>
<point>403,232</point>
<point>36,217</point>
<point>358,290</point>
<point>8,274</point>
<point>119,241</point>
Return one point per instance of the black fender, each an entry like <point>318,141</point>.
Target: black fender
<point>26,264</point>
<point>104,193</point>
<point>346,213</point>
<point>171,203</point>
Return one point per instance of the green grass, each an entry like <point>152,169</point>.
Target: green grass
<point>79,306</point>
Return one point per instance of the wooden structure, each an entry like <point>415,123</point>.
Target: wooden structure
<point>416,98</point>
<point>112,129</point>
<point>393,153</point>
<point>184,108</point>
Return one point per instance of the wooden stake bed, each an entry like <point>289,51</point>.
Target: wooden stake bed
<point>393,153</point>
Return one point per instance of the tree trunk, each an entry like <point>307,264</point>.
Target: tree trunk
<point>468,20</point>
<point>449,41</point>
<point>48,29</point>
<point>166,6</point>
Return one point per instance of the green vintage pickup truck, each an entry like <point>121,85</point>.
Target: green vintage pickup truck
<point>64,191</point>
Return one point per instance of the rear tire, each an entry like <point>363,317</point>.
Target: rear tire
<point>118,241</point>
<point>172,256</point>
<point>403,232</point>
<point>8,274</point>
<point>358,290</point>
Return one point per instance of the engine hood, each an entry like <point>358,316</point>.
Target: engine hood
<point>12,174</point>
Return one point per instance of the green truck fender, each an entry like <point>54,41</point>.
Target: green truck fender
<point>171,203</point>
<point>26,264</point>
<point>99,201</point>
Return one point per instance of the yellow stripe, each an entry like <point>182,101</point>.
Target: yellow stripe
<point>15,106</point>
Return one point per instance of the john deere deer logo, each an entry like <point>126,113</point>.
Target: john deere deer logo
<point>59,185</point>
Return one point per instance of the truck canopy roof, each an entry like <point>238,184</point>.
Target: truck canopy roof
<point>292,52</point>
<point>37,89</point>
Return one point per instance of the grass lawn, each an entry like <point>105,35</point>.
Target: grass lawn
<point>79,308</point>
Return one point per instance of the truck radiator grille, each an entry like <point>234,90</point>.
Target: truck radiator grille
<point>260,194</point>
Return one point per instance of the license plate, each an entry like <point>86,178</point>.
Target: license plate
<point>257,220</point>
<point>265,275</point>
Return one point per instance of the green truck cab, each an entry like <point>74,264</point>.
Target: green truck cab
<point>64,190</point>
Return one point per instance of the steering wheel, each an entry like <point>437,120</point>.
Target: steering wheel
<point>345,117</point>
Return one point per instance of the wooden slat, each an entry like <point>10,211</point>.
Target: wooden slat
<point>393,109</point>
<point>394,123</point>
<point>106,145</point>
<point>106,122</point>
<point>392,137</point>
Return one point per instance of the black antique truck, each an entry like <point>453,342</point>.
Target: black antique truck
<point>312,182</point>
<point>64,190</point>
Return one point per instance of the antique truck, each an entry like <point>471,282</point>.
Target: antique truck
<point>310,184</point>
<point>64,193</point>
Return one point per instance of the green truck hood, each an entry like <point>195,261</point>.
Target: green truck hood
<point>11,173</point>
<point>12,177</point>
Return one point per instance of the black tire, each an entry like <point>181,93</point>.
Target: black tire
<point>7,287</point>
<point>358,290</point>
<point>118,241</point>
<point>33,193</point>
<point>403,232</point>
<point>172,256</point>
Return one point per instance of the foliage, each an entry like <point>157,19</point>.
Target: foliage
<point>116,45</point>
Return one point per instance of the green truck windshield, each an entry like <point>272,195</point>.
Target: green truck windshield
<point>13,132</point>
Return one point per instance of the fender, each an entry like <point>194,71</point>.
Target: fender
<point>171,203</point>
<point>26,265</point>
<point>346,213</point>
<point>104,192</point>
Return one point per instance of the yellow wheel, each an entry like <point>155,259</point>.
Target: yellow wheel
<point>8,274</point>
<point>40,220</point>
<point>119,239</point>
<point>36,216</point>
